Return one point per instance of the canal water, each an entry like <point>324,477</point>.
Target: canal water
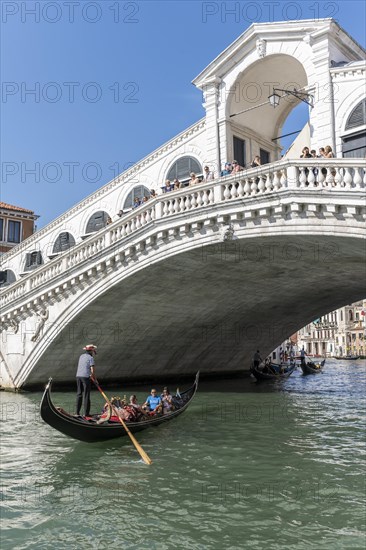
<point>249,465</point>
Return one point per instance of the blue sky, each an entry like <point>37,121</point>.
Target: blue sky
<point>111,82</point>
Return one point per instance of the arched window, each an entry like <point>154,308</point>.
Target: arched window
<point>63,242</point>
<point>182,168</point>
<point>97,221</point>
<point>7,277</point>
<point>357,117</point>
<point>354,143</point>
<point>140,191</point>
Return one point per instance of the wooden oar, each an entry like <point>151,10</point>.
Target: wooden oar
<point>143,455</point>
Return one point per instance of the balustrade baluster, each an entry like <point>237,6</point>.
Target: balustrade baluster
<point>199,199</point>
<point>311,178</point>
<point>283,179</point>
<point>357,179</point>
<point>148,216</point>
<point>234,191</point>
<point>241,189</point>
<point>182,204</point>
<point>347,178</point>
<point>254,187</point>
<point>206,198</point>
<point>321,177</point>
<point>338,178</point>
<point>227,194</point>
<point>247,187</point>
<point>165,208</point>
<point>269,182</point>
<point>276,182</point>
<point>193,200</point>
<point>261,186</point>
<point>171,207</point>
<point>188,202</point>
<point>302,177</point>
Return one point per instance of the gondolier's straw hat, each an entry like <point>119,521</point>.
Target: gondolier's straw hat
<point>90,347</point>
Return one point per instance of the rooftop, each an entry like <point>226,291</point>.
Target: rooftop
<point>5,206</point>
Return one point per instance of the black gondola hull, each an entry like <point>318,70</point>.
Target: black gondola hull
<point>90,432</point>
<point>308,369</point>
<point>260,375</point>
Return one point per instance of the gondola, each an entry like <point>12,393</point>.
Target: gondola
<point>276,373</point>
<point>89,431</point>
<point>310,367</point>
<point>348,358</point>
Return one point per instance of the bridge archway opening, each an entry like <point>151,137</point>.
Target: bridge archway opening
<point>251,116</point>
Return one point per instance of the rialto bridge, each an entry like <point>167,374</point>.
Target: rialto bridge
<point>195,279</point>
<point>200,277</point>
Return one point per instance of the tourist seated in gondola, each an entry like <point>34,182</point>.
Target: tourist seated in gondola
<point>153,404</point>
<point>135,409</point>
<point>167,401</point>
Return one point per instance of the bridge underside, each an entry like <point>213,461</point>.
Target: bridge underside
<point>209,308</point>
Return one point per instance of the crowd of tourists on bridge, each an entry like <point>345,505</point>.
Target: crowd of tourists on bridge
<point>324,153</point>
<point>229,168</point>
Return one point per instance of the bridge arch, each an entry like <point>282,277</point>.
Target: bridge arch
<point>212,316</point>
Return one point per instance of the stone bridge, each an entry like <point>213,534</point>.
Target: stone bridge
<point>197,278</point>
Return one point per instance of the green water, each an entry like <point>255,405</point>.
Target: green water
<point>248,465</point>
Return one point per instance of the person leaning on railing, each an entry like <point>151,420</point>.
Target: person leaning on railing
<point>236,166</point>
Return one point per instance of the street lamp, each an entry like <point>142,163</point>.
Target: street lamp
<point>274,98</point>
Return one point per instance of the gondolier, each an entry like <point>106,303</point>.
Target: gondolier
<point>257,359</point>
<point>84,372</point>
<point>302,356</point>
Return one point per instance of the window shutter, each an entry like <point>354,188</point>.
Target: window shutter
<point>39,258</point>
<point>357,117</point>
<point>28,260</point>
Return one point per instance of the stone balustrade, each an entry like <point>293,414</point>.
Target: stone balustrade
<point>310,176</point>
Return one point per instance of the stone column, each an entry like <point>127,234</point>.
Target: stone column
<point>211,98</point>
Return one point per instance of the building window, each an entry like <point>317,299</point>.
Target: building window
<point>182,169</point>
<point>239,151</point>
<point>6,277</point>
<point>13,231</point>
<point>63,242</point>
<point>1,229</point>
<point>33,260</point>
<point>265,156</point>
<point>137,192</point>
<point>357,117</point>
<point>97,221</point>
<point>354,145</point>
